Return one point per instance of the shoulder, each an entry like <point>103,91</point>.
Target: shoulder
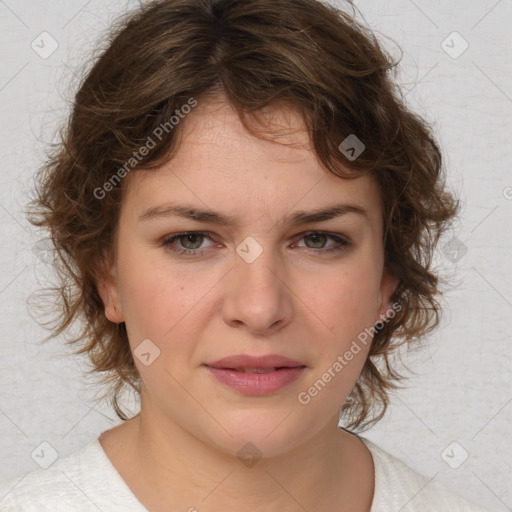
<point>83,480</point>
<point>398,487</point>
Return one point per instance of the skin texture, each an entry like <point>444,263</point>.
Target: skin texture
<point>295,300</point>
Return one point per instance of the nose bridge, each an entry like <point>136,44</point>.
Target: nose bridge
<point>257,295</point>
<point>256,267</point>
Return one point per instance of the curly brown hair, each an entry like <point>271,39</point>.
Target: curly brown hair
<point>313,56</point>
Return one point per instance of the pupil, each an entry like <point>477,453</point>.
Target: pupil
<point>190,239</point>
<point>315,237</point>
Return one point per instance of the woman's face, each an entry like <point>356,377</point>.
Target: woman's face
<point>268,282</point>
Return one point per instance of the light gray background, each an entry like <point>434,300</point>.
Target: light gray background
<point>461,390</point>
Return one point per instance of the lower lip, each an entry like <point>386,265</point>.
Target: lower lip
<point>257,383</point>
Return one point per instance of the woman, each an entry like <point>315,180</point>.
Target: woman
<point>247,213</point>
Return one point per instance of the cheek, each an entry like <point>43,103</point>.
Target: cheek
<point>159,308</point>
<point>346,302</point>
<point>165,303</point>
<point>346,308</point>
<point>163,312</point>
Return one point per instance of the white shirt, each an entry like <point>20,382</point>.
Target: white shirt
<point>85,480</point>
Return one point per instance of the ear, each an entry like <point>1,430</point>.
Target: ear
<point>388,285</point>
<point>109,293</point>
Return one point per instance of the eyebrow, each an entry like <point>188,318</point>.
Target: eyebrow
<point>209,216</point>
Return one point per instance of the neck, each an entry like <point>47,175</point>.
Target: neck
<point>171,466</point>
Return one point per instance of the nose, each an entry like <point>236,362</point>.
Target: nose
<point>257,296</point>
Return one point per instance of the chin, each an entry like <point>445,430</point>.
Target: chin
<point>255,433</point>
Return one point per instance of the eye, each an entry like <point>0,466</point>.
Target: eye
<point>190,243</point>
<point>318,239</point>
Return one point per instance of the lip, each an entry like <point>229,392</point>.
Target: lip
<point>245,361</point>
<point>226,370</point>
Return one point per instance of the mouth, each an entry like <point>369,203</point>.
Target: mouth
<point>260,375</point>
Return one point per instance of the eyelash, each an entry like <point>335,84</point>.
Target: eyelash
<point>342,243</point>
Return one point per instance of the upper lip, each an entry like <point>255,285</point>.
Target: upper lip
<point>245,361</point>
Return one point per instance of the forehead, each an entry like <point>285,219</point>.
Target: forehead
<point>219,165</point>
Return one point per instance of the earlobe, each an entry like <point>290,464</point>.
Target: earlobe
<point>109,293</point>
